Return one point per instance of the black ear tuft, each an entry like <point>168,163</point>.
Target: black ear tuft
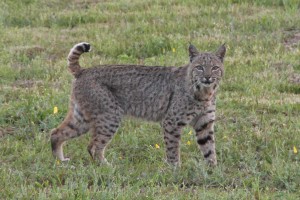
<point>221,52</point>
<point>193,52</point>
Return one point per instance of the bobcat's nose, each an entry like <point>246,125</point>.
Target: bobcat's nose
<point>207,80</point>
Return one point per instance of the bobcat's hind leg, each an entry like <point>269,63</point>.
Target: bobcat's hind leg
<point>104,127</point>
<point>106,115</point>
<point>73,126</point>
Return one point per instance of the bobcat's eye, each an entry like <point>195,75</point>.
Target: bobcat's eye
<point>215,68</point>
<point>200,68</point>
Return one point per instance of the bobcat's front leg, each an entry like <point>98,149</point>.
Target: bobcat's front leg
<point>172,141</point>
<point>204,128</point>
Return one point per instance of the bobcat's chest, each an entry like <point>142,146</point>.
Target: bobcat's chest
<point>205,94</point>
<point>195,109</point>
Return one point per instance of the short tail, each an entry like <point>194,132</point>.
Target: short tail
<point>73,57</point>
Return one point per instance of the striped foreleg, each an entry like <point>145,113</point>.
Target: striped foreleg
<point>204,129</point>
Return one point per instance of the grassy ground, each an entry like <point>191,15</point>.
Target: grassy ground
<point>258,129</point>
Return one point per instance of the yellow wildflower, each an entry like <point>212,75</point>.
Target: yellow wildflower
<point>295,150</point>
<point>157,146</point>
<point>191,132</point>
<point>188,143</point>
<point>57,162</point>
<point>55,110</point>
<point>173,50</point>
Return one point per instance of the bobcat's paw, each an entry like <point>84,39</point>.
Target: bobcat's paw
<point>65,159</point>
<point>174,165</point>
<point>105,162</point>
<point>212,162</point>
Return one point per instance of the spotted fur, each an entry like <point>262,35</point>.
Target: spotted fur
<point>173,96</point>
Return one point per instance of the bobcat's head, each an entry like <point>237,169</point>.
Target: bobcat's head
<point>206,69</point>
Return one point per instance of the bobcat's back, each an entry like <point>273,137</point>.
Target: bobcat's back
<point>141,91</point>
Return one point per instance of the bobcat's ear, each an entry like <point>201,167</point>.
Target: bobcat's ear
<point>193,52</point>
<point>221,52</point>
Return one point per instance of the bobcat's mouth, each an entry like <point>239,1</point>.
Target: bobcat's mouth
<point>204,85</point>
<point>207,83</point>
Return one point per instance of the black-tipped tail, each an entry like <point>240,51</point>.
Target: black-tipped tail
<point>73,57</point>
<point>84,47</point>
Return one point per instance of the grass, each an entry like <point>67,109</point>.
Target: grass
<point>258,103</point>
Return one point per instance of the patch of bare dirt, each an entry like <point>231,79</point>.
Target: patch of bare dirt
<point>295,78</point>
<point>292,40</point>
<point>87,3</point>
<point>6,131</point>
<point>30,51</point>
<point>282,66</point>
<point>288,98</point>
<point>27,83</point>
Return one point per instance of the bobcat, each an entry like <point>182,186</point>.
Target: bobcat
<point>173,96</point>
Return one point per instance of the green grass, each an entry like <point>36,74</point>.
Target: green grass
<point>258,104</point>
